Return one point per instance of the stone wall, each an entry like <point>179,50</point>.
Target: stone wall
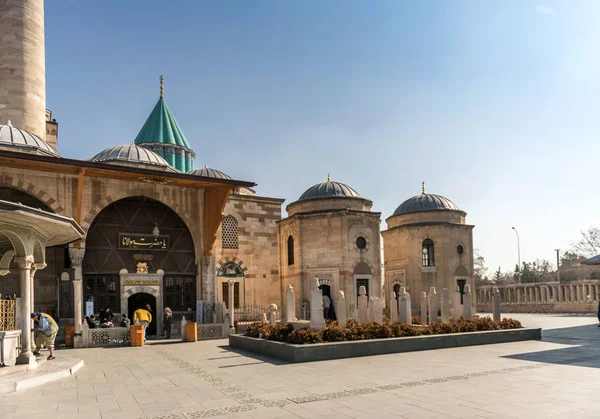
<point>403,258</point>
<point>325,248</point>
<point>59,192</point>
<point>257,219</point>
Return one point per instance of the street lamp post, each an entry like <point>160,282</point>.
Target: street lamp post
<point>519,252</point>
<point>557,265</point>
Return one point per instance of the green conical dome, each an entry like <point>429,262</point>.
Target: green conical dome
<point>161,127</point>
<point>161,134</point>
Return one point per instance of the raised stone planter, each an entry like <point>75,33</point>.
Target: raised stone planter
<point>337,350</point>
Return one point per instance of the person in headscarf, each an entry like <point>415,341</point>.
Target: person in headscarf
<point>168,321</point>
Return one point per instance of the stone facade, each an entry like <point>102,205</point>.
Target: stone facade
<point>324,233</point>
<point>256,253</point>
<point>403,253</point>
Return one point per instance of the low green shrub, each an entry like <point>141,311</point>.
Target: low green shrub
<point>361,331</point>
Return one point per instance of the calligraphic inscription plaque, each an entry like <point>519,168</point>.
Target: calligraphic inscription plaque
<point>132,282</point>
<point>143,241</point>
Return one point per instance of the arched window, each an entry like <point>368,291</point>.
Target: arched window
<point>290,250</point>
<point>229,234</point>
<point>428,253</point>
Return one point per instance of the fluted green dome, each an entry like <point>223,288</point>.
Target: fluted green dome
<point>161,134</point>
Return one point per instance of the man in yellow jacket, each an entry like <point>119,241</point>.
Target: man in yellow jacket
<point>144,318</point>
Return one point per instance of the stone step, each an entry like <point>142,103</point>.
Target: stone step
<point>48,371</point>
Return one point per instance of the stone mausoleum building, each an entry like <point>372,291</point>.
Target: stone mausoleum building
<point>154,230</point>
<point>331,234</point>
<point>428,244</point>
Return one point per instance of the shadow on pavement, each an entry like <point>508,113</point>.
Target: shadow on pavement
<point>583,349</point>
<point>264,359</point>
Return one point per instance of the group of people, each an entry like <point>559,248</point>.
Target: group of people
<point>48,328</point>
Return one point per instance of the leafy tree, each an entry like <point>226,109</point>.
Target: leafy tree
<point>480,270</point>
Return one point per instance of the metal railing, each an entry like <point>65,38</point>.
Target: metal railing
<point>7,314</point>
<point>252,313</point>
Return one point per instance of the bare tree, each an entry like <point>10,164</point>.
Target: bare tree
<point>589,243</point>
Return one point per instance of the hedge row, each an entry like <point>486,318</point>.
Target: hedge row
<point>282,332</point>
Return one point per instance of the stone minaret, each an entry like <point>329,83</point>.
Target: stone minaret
<point>22,65</point>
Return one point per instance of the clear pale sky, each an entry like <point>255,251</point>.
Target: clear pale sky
<point>493,104</point>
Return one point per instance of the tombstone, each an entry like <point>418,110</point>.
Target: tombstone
<point>362,304</point>
<point>377,311</point>
<point>264,318</point>
<point>370,312</point>
<point>433,305</point>
<point>458,307</point>
<point>496,309</point>
<point>273,314</point>
<point>393,308</point>
<point>468,300</point>
<point>340,309</point>
<point>445,305</point>
<point>305,310</point>
<point>405,309</point>
<point>290,304</point>
<point>423,308</point>
<point>317,321</point>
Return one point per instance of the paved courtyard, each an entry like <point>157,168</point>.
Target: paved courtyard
<point>557,377</point>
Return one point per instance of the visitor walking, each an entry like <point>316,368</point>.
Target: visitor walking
<point>47,333</point>
<point>144,318</point>
<point>168,321</point>
<point>326,305</point>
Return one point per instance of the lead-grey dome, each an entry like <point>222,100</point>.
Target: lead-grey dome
<point>131,154</point>
<point>24,141</point>
<point>426,202</point>
<point>329,189</point>
<point>208,172</point>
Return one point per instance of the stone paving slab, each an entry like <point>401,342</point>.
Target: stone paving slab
<point>47,372</point>
<point>556,377</point>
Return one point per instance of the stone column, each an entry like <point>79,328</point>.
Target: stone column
<point>34,268</point>
<point>468,301</point>
<point>496,308</point>
<point>518,295</point>
<point>405,309</point>
<point>597,292</point>
<point>317,321</point>
<point>536,295</point>
<point>433,305</point>
<point>230,289</point>
<point>340,305</point>
<point>26,356</point>
<point>578,293</point>
<point>76,255</point>
<point>423,309</point>
<point>290,304</point>
<point>393,308</point>
<point>445,305</point>
<point>22,65</point>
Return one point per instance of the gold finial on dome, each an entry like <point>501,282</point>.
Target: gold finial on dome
<point>423,188</point>
<point>328,177</point>
<point>162,87</point>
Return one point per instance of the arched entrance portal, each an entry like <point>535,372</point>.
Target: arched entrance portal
<point>128,243</point>
<point>140,300</point>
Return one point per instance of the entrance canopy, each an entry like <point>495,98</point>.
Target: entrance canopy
<point>27,231</point>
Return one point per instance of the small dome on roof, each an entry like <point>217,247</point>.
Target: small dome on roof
<point>124,154</point>
<point>425,202</point>
<point>329,189</point>
<point>24,141</point>
<point>208,172</point>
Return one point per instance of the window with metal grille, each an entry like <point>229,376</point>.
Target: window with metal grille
<point>290,250</point>
<point>104,290</point>
<point>428,253</point>
<point>180,292</point>
<point>236,294</point>
<point>229,234</point>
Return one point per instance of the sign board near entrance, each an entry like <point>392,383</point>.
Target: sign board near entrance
<point>143,241</point>
<point>131,282</point>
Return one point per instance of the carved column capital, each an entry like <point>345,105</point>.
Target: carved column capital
<point>76,255</point>
<point>24,262</point>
